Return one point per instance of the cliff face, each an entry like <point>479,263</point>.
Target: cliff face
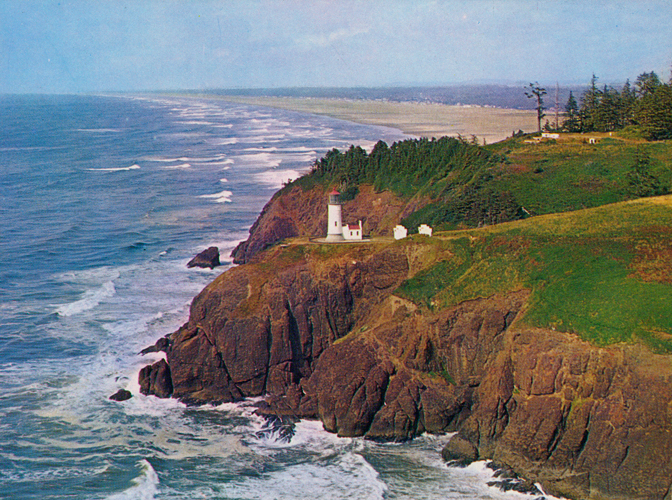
<point>298,212</point>
<point>319,331</point>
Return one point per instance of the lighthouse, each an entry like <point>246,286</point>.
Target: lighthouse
<point>334,226</point>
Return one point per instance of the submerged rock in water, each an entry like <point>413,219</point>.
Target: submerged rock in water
<point>207,258</point>
<point>121,395</point>
<point>459,452</point>
<point>278,428</point>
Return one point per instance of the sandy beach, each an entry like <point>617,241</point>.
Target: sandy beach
<point>417,119</point>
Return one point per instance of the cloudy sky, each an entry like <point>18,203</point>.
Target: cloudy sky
<point>95,45</point>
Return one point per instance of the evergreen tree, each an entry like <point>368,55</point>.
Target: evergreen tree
<point>537,92</point>
<point>627,105</point>
<point>572,123</point>
<point>640,180</point>
<point>589,102</point>
<point>654,113</point>
<point>606,116</point>
<point>646,84</point>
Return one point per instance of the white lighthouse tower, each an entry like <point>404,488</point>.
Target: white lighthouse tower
<point>334,226</point>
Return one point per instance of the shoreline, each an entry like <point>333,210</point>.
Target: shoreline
<point>415,119</point>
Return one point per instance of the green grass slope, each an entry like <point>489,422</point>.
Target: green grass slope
<point>603,273</point>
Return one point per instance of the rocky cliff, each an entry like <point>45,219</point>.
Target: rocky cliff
<point>319,331</point>
<point>295,211</point>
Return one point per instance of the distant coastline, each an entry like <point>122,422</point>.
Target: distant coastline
<point>413,118</point>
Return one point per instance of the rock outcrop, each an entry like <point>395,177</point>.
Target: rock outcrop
<point>319,332</point>
<point>207,258</point>
<point>121,395</point>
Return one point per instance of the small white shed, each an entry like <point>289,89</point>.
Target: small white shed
<point>400,232</point>
<point>425,229</point>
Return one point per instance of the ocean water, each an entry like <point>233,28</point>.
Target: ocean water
<point>103,201</point>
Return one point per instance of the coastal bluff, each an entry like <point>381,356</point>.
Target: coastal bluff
<point>296,211</point>
<point>322,332</point>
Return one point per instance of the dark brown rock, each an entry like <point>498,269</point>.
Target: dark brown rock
<point>459,451</point>
<point>121,395</point>
<point>160,345</point>
<point>155,379</point>
<point>207,258</point>
<point>349,394</point>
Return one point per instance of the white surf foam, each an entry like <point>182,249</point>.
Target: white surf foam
<point>167,160</point>
<point>221,197</point>
<point>100,130</point>
<point>276,178</point>
<point>218,163</point>
<point>89,300</point>
<point>196,122</point>
<point>261,160</point>
<point>227,141</point>
<point>183,166</point>
<point>346,477</point>
<point>145,486</point>
<point>119,169</point>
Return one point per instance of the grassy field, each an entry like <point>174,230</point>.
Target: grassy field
<point>571,174</point>
<point>603,273</point>
<point>420,120</point>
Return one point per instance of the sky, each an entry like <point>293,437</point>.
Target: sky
<point>51,46</point>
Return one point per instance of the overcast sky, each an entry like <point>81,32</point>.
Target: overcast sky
<point>96,45</point>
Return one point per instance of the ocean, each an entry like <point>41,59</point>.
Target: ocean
<point>103,201</point>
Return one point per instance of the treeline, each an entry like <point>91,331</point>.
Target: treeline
<point>645,108</point>
<point>453,173</point>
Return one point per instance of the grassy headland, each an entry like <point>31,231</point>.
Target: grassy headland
<point>458,184</point>
<point>603,273</point>
<point>581,226</point>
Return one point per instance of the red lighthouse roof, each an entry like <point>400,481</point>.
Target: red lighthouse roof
<point>334,192</point>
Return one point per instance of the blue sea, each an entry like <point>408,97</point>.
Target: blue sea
<point>103,201</point>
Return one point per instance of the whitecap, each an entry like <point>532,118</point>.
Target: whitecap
<point>221,197</point>
<point>119,169</point>
<point>227,141</point>
<point>183,166</point>
<point>272,149</point>
<point>268,160</point>
<point>99,130</point>
<point>90,300</point>
<point>258,139</point>
<point>167,160</point>
<point>277,178</point>
<point>218,163</point>
<point>196,122</point>
<point>145,486</point>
